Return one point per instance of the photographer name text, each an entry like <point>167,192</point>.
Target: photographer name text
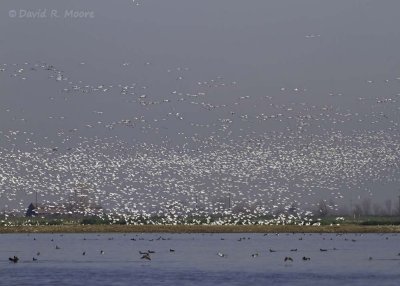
<point>51,13</point>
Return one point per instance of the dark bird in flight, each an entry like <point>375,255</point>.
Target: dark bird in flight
<point>288,258</point>
<point>146,256</point>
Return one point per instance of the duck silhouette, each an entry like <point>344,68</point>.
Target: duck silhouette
<point>13,259</point>
<point>220,254</point>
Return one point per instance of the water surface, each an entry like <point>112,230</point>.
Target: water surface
<point>350,259</point>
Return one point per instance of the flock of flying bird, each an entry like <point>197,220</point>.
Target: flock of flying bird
<point>192,147</point>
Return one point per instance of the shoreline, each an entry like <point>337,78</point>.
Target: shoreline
<point>199,229</point>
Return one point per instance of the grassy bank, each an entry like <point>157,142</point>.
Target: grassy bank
<point>200,229</point>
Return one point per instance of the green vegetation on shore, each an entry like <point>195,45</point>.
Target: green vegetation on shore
<point>199,229</point>
<point>105,224</point>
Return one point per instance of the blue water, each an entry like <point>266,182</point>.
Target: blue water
<point>350,259</point>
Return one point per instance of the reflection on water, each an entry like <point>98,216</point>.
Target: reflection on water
<point>200,259</point>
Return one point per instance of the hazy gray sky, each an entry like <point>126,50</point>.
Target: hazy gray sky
<point>263,45</point>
